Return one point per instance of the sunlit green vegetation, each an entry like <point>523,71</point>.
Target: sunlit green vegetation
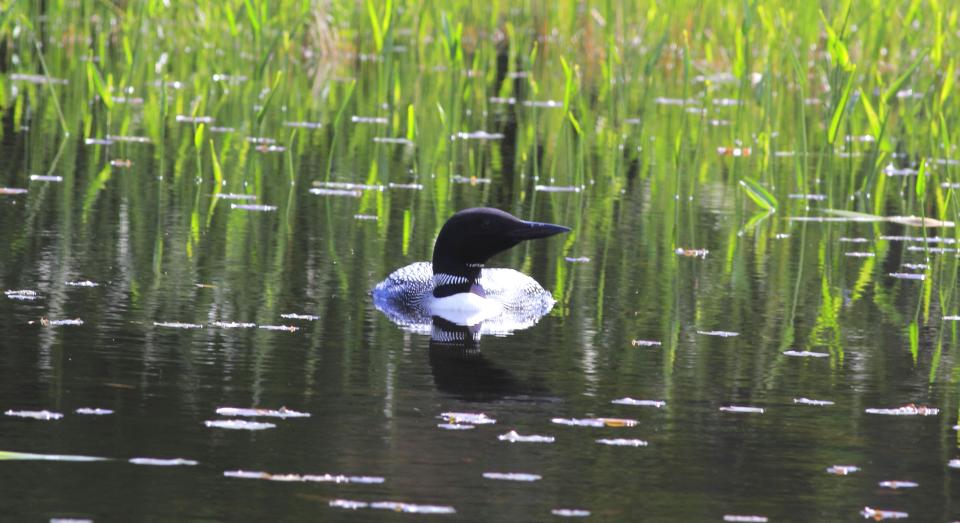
<point>655,107</point>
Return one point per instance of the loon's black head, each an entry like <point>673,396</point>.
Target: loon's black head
<point>470,237</point>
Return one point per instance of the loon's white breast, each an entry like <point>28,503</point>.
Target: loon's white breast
<point>464,308</point>
<point>513,300</point>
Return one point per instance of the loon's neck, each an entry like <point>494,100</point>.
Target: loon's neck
<point>454,278</point>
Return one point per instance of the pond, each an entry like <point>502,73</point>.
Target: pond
<point>188,332</point>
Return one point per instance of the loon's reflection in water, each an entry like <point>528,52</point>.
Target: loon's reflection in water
<point>461,370</point>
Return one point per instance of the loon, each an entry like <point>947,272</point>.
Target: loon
<point>458,288</point>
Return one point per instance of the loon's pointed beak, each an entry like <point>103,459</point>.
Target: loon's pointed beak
<point>533,230</point>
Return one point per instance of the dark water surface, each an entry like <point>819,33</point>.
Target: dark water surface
<point>375,392</point>
<point>160,251</point>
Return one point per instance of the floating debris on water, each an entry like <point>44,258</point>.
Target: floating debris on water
<point>253,207</point>
<point>121,163</point>
<point>736,152</point>
<point>545,104</point>
<point>22,294</point>
<point>622,442</point>
<point>581,259</point>
<point>98,141</point>
<point>45,178</point>
<point>72,322</point>
<point>570,512</point>
<point>136,100</point>
<point>846,216</point>
<point>270,148</point>
<point>853,240</point>
<point>596,422</point>
<point>6,455</point>
<point>11,191</point>
<point>161,462</point>
<point>128,139</point>
<point>813,197</point>
<point>954,463</point>
<point>369,119</point>
<point>557,188</point>
<point>740,409</point>
<point>784,154</point>
<point>235,196</point>
<point>879,515</point>
<point>742,518</point>
<point>891,170</point>
<point>304,125</point>
<point>663,100</point>
<point>863,138</point>
<point>919,239</point>
<point>194,119</point>
<point>816,403</point>
<point>645,343</point>
<point>477,135</point>
<point>349,186</point>
<point>859,254</point>
<point>218,129</point>
<point>907,410</point>
<point>172,84</point>
<point>286,328</point>
<point>233,325</point>
<point>467,417</point>
<point>335,192</point>
<point>394,506</point>
<point>574,422</point>
<point>842,470</point>
<point>409,186</point>
<point>82,283</point>
<point>309,478</point>
<point>234,79</point>
<point>389,140</point>
<point>726,102</point>
<point>43,415</point>
<point>951,318</point>
<point>472,180</point>
<point>282,412</point>
<point>514,437</point>
<point>177,325</point>
<point>512,476</point>
<point>503,101</point>
<point>93,411</point>
<point>239,424</point>
<point>298,316</point>
<point>805,354</point>
<point>931,250</point>
<point>640,403</point>
<point>720,334</point>
<point>908,275</point>
<point>691,253</point>
<point>348,504</point>
<point>37,79</point>
<point>455,426</point>
<point>365,217</point>
<point>916,266</point>
<point>896,484</point>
